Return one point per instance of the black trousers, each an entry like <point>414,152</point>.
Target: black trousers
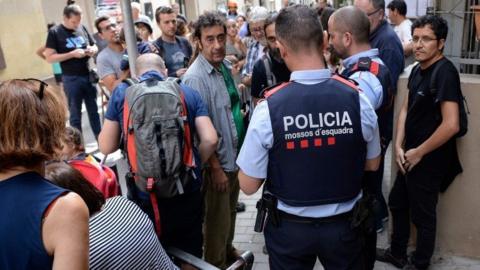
<point>296,246</point>
<point>414,197</point>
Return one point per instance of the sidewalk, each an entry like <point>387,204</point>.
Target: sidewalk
<point>247,239</point>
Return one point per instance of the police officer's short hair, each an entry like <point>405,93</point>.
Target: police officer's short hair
<point>399,5</point>
<point>378,4</point>
<point>436,23</point>
<point>293,18</point>
<point>353,20</point>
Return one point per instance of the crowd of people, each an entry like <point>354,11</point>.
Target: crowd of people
<point>298,103</point>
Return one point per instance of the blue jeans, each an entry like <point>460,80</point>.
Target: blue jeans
<point>77,89</point>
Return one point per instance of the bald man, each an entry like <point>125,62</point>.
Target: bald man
<point>348,30</point>
<point>181,215</point>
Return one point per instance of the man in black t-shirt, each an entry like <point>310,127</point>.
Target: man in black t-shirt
<point>270,68</point>
<point>70,44</point>
<point>426,151</point>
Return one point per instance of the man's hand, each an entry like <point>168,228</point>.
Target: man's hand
<point>219,180</point>
<point>400,159</point>
<point>180,72</point>
<point>78,53</point>
<point>412,158</point>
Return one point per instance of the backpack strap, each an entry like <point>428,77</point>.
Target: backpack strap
<point>130,81</point>
<point>432,86</point>
<point>267,63</point>
<point>273,89</point>
<point>351,83</point>
<point>188,158</point>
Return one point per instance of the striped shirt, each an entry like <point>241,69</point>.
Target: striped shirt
<point>122,237</point>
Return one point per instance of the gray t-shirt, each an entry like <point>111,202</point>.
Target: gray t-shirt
<point>174,56</point>
<point>108,62</point>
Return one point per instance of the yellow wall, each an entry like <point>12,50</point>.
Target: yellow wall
<point>22,31</point>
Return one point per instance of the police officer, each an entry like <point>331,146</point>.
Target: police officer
<point>348,36</point>
<point>311,139</point>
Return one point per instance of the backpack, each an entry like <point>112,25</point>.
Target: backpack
<point>157,139</point>
<point>462,105</point>
<point>101,176</point>
<point>383,75</point>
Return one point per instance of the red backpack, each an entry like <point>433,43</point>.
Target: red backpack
<point>101,176</point>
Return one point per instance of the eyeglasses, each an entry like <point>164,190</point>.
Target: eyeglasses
<point>422,40</point>
<point>41,89</point>
<point>373,12</point>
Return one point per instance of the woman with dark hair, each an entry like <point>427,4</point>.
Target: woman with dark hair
<point>42,226</point>
<point>121,234</point>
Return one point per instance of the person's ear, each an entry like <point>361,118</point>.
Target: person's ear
<point>441,44</point>
<point>282,49</point>
<point>325,40</point>
<point>198,43</point>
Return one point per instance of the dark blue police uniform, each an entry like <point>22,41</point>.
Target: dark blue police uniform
<point>313,154</point>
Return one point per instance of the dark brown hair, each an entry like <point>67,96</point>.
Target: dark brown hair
<point>67,177</point>
<point>32,123</point>
<point>162,10</point>
<point>74,138</point>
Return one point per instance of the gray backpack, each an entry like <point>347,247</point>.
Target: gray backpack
<point>157,137</point>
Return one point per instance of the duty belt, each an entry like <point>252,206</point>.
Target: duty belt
<point>312,220</point>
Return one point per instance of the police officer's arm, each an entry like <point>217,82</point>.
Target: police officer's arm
<point>208,137</point>
<point>109,137</point>
<point>447,129</point>
<point>373,164</point>
<point>400,136</point>
<point>248,184</point>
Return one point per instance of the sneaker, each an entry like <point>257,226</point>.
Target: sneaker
<point>240,207</point>
<point>385,255</point>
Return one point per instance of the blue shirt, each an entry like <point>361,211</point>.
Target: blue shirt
<point>367,81</point>
<point>390,49</point>
<point>253,157</point>
<point>193,101</point>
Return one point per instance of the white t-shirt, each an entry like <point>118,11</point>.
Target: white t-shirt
<point>404,31</point>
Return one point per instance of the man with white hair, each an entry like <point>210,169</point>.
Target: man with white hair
<point>256,48</point>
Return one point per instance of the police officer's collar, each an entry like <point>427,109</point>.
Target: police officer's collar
<point>311,76</point>
<point>372,53</point>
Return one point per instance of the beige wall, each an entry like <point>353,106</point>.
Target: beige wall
<point>458,231</point>
<point>22,31</point>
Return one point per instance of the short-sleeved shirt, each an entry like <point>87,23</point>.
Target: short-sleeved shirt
<point>259,75</point>
<point>253,157</point>
<point>424,112</point>
<point>64,40</point>
<point>108,62</point>
<point>390,49</point>
<point>176,54</point>
<point>193,101</point>
<point>367,81</point>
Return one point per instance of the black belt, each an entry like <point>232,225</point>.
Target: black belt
<point>312,220</point>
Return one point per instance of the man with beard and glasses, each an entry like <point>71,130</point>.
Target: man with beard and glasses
<point>270,69</point>
<point>348,30</point>
<point>109,59</point>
